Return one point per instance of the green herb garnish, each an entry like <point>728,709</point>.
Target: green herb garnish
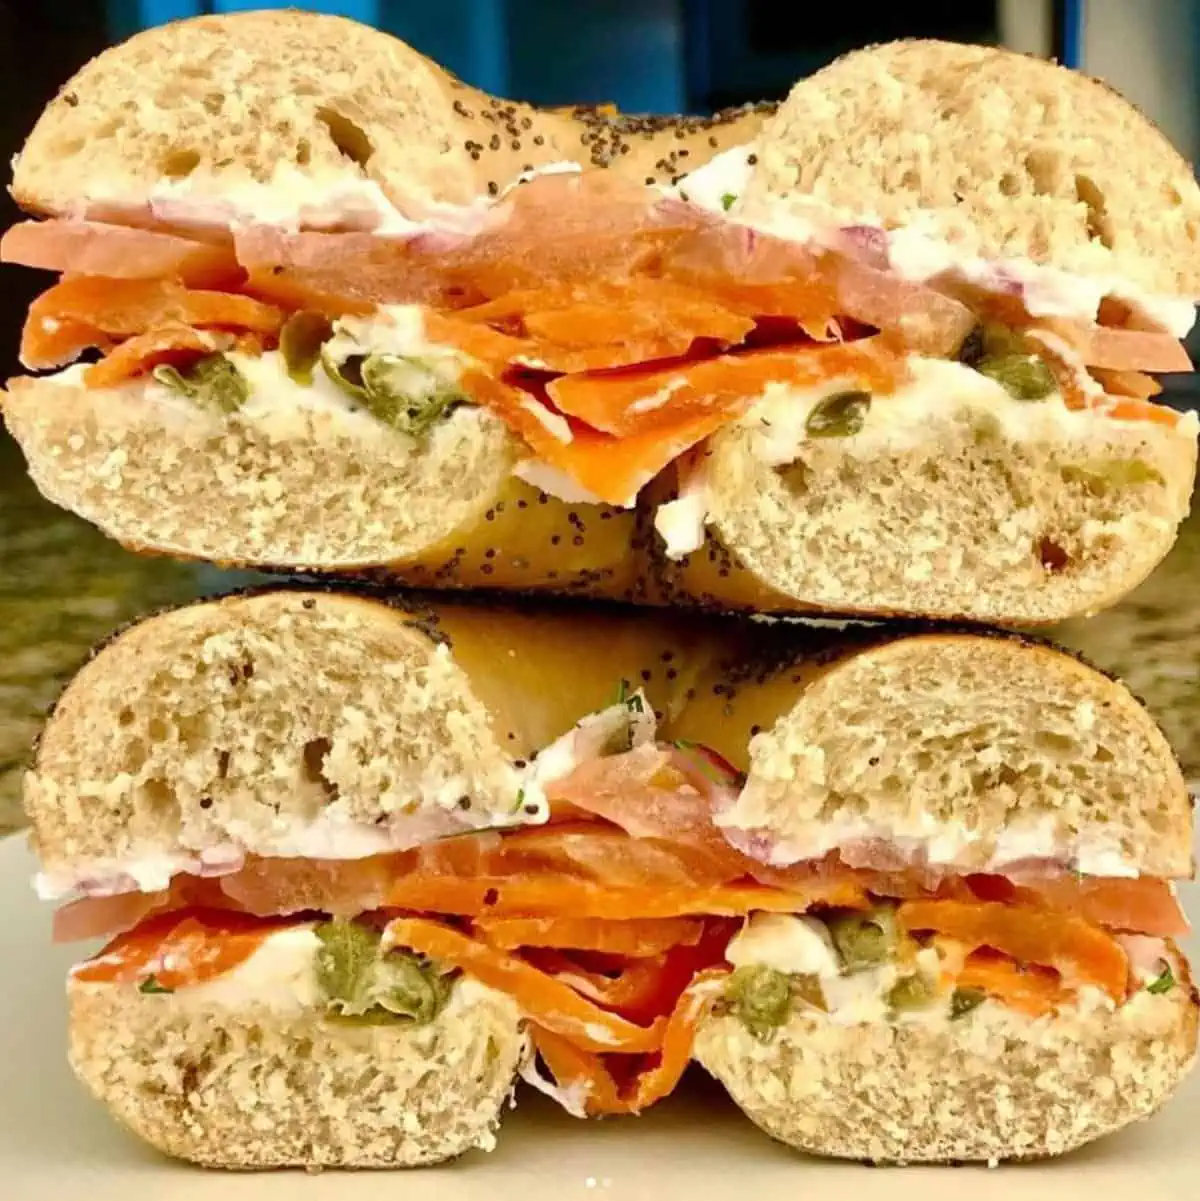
<point>150,987</point>
<point>727,200</point>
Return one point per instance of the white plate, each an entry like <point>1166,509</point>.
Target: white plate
<point>55,1143</point>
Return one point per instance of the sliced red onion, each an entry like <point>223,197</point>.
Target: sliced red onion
<point>867,243</point>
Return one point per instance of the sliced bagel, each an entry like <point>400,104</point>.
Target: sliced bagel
<point>952,501</point>
<point>239,1074</point>
<point>1004,154</point>
<point>991,1085</point>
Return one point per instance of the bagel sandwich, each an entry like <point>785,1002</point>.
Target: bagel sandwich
<point>363,863</point>
<point>355,316</point>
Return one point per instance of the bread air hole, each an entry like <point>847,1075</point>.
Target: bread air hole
<point>179,162</point>
<point>1051,555</point>
<point>1042,171</point>
<point>314,755</point>
<point>349,138</point>
<point>1099,225</point>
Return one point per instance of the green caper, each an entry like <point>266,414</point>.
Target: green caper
<point>404,393</point>
<point>365,985</point>
<point>838,416</point>
<point>964,1000</point>
<point>300,341</point>
<point>760,998</point>
<point>989,340</point>
<point>910,993</point>
<point>1022,376</point>
<point>212,380</point>
<point>864,939</point>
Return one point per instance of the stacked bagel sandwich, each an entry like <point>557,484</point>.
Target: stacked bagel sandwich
<point>365,859</point>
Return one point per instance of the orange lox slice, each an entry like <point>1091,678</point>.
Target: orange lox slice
<point>721,389</point>
<point>657,415</point>
<point>170,343</point>
<point>1145,905</point>
<point>1032,990</point>
<point>1120,349</point>
<point>1134,384</point>
<point>179,949</point>
<point>75,247</point>
<point>544,1000</point>
<point>550,895</point>
<point>571,1065</point>
<point>1080,951</point>
<point>85,311</point>
<point>637,938</point>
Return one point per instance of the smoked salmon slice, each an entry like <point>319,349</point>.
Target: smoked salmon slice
<point>1144,905</point>
<point>76,247</point>
<point>630,425</point>
<point>179,949</point>
<point>168,343</point>
<point>633,402</point>
<point>1029,989</point>
<point>1081,952</point>
<point>542,999</point>
<point>636,938</point>
<point>86,311</point>
<point>575,1068</point>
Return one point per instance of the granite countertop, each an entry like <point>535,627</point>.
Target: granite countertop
<point>64,587</point>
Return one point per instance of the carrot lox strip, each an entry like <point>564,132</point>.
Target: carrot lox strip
<point>572,1066</point>
<point>1082,952</point>
<point>578,1070</point>
<point>1127,383</point>
<point>550,896</point>
<point>637,938</point>
<point>635,401</point>
<point>84,311</point>
<point>1035,991</point>
<point>166,344</point>
<point>544,1000</point>
<point>179,949</point>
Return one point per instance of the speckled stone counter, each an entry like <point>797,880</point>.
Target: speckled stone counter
<point>63,587</point>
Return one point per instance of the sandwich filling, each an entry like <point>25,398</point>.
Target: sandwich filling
<point>625,918</point>
<point>612,328</point>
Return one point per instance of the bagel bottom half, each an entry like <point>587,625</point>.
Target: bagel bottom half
<point>1007,512</point>
<point>991,1085</point>
<point>312,489</point>
<point>249,1086</point>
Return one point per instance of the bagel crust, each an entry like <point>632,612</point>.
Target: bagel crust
<point>991,1086</point>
